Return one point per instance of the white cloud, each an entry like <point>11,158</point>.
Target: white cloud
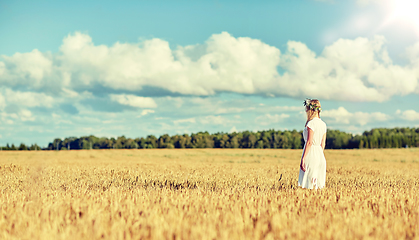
<point>2,68</point>
<point>57,119</point>
<point>146,111</point>
<point>8,121</point>
<point>342,116</point>
<point>5,118</point>
<point>363,2</point>
<point>287,108</point>
<point>176,101</point>
<point>2,102</point>
<point>31,68</point>
<point>351,70</point>
<point>260,108</point>
<point>222,110</point>
<point>217,120</point>
<point>366,2</point>
<point>27,99</point>
<point>233,129</point>
<point>69,93</point>
<point>187,120</point>
<point>211,105</point>
<point>358,2</point>
<point>268,119</point>
<point>409,115</point>
<point>26,115</point>
<point>133,101</point>
<point>413,54</point>
<point>23,115</point>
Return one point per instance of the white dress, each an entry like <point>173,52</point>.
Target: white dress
<point>315,162</point>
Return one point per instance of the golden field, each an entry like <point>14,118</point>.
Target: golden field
<point>207,194</point>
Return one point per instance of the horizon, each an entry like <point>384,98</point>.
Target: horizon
<point>235,133</point>
<point>135,69</point>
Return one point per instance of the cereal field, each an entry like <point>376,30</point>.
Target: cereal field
<point>207,194</point>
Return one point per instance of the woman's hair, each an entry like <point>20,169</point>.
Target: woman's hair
<point>312,106</point>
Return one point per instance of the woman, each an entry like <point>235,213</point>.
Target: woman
<point>313,163</point>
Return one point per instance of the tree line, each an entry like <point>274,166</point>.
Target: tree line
<point>375,138</point>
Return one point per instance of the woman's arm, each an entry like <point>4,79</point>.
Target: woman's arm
<point>307,148</point>
<point>324,141</point>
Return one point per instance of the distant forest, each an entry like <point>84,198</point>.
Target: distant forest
<point>375,138</point>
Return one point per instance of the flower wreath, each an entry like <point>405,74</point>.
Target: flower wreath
<point>307,102</point>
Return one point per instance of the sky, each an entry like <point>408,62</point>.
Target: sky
<point>136,68</point>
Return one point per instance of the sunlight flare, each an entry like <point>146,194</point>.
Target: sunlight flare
<point>406,11</point>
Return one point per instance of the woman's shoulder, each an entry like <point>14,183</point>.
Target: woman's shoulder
<point>316,122</point>
<point>323,124</point>
<point>320,121</point>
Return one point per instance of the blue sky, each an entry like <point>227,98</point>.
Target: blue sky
<point>134,68</point>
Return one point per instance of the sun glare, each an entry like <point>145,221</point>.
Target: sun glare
<point>407,11</point>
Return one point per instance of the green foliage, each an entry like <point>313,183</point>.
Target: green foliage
<point>375,138</point>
